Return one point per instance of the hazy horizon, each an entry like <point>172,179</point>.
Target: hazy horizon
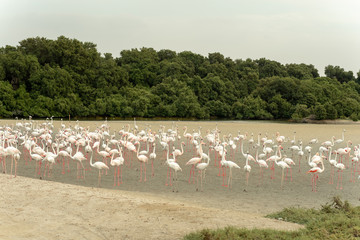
<point>312,32</point>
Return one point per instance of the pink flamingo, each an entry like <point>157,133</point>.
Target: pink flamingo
<point>142,159</point>
<point>340,167</point>
<point>152,156</point>
<point>116,163</point>
<point>262,164</point>
<point>315,171</point>
<point>193,161</point>
<point>98,165</point>
<point>273,159</point>
<point>332,162</point>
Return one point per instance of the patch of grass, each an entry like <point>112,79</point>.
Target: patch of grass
<point>242,233</point>
<point>334,220</point>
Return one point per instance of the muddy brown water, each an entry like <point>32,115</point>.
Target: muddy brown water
<point>262,196</point>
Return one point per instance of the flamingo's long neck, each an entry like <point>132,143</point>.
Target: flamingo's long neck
<point>91,163</point>
<point>223,156</point>
<point>201,151</point>
<point>137,152</point>
<point>182,149</point>
<point>279,151</point>
<point>323,166</point>
<point>120,152</point>
<point>242,147</point>
<point>112,158</point>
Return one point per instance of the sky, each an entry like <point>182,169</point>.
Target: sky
<point>318,32</point>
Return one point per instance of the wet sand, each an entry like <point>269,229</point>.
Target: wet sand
<point>70,208</point>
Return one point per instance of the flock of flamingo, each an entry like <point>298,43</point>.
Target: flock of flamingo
<point>46,147</point>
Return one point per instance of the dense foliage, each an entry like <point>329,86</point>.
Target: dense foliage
<point>335,220</point>
<point>42,77</point>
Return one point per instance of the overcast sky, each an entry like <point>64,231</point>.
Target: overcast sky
<point>318,32</point>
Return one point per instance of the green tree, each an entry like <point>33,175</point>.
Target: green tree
<point>320,112</point>
<point>280,108</point>
<point>331,112</point>
<point>251,108</point>
<point>339,73</point>
<point>17,68</point>
<point>218,109</point>
<point>301,111</point>
<point>268,68</point>
<point>302,71</point>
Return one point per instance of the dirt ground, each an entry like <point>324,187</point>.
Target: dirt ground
<point>64,207</point>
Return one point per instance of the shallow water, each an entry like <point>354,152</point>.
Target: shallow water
<point>261,196</point>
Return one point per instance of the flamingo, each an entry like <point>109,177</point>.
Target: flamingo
<point>152,156</point>
<point>262,164</point>
<point>246,155</point>
<point>15,156</point>
<point>329,143</point>
<point>338,141</point>
<point>174,166</point>
<point>64,154</point>
<point>116,163</point>
<point>12,151</point>
<point>332,162</point>
<point>300,154</point>
<point>289,162</point>
<point>178,152</point>
<point>293,141</point>
<point>354,160</point>
<point>267,150</point>
<point>230,165</point>
<point>98,165</point>
<point>37,158</point>
<point>279,139</point>
<point>202,168</point>
<point>223,166</point>
<point>273,159</point>
<point>247,169</point>
<point>316,170</point>
<point>340,167</point>
<point>50,160</point>
<point>193,161</point>
<point>283,165</point>
<point>142,159</point>
<point>88,149</point>
<point>188,137</point>
<point>294,148</point>
<point>145,152</point>
<point>104,154</point>
<point>79,157</point>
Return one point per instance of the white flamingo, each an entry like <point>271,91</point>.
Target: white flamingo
<point>98,165</point>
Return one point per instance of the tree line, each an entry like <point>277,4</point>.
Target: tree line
<point>42,77</point>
